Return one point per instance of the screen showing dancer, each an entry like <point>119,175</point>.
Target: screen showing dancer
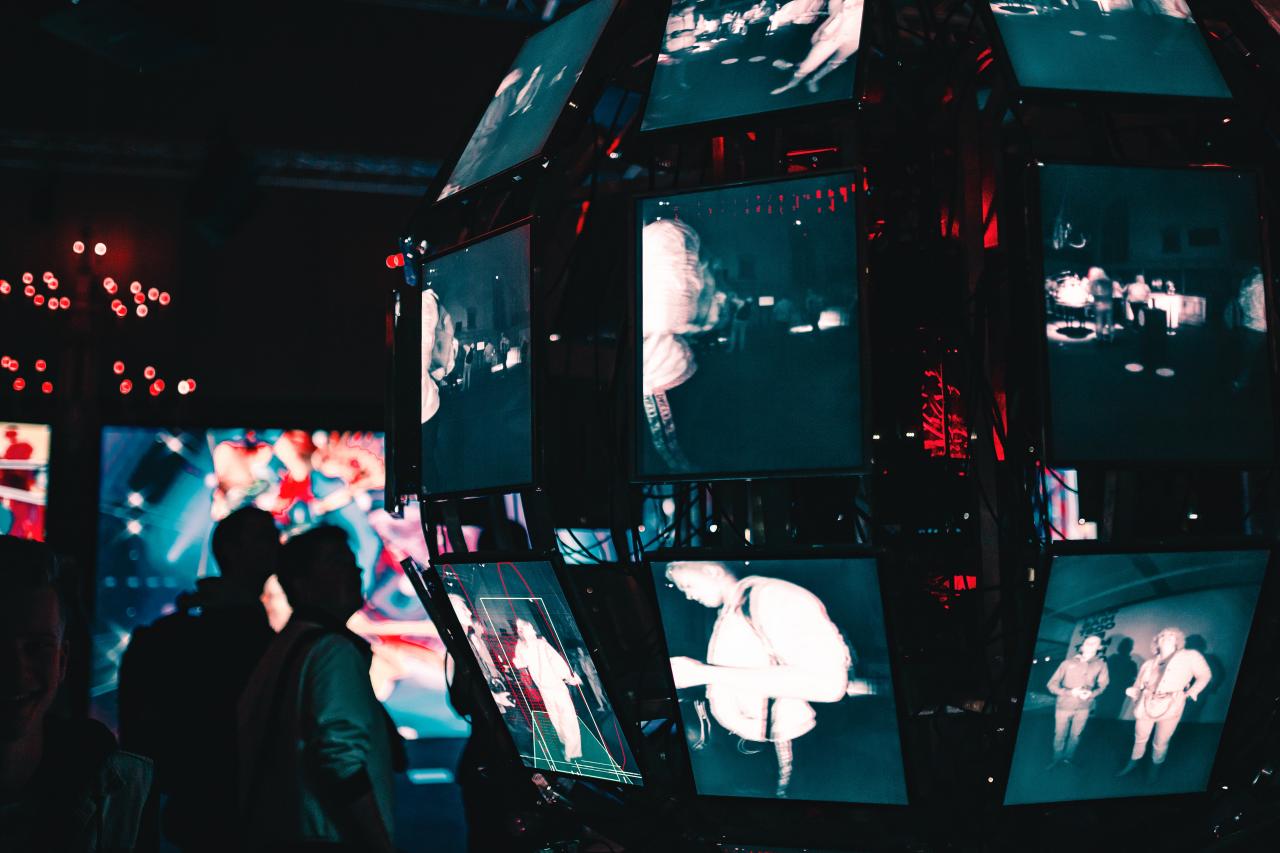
<point>1155,315</point>
<point>530,99</point>
<point>525,642</point>
<point>1144,47</point>
<point>738,58</point>
<point>24,479</point>
<point>477,387</point>
<point>750,359</point>
<point>782,673</point>
<point>163,491</point>
<point>1135,662</point>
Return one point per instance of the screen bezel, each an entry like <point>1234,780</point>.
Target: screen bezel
<point>636,336</point>
<point>1035,257</point>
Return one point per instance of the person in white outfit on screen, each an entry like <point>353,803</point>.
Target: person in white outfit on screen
<point>553,677</point>
<point>1165,682</point>
<point>834,42</point>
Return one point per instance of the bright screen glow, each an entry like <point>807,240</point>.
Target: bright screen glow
<point>1156,318</point>
<point>477,390</point>
<point>524,640</point>
<point>1135,662</point>
<point>530,99</point>
<point>783,675</point>
<point>24,479</point>
<point>727,59</point>
<point>1146,47</point>
<point>749,305</point>
<point>161,494</point>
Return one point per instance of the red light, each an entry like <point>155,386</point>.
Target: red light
<point>118,367</point>
<point>109,284</point>
<point>116,305</point>
<point>53,283</point>
<point>4,362</point>
<point>142,310</point>
<point>184,388</point>
<point>5,288</point>
<point>157,387</point>
<point>53,304</point>
<point>47,277</point>
<point>153,294</point>
<point>121,311</point>
<point>136,287</point>
<point>40,365</point>
<point>13,365</point>
<point>27,278</point>
<point>99,249</point>
<point>125,386</point>
<point>64,302</point>
<point>78,247</point>
<point>139,297</point>
<point>191,385</point>
<point>38,299</point>
<point>29,290</point>
<point>395,261</point>
<point>149,372</point>
<point>164,297</point>
<point>19,384</point>
<point>46,387</point>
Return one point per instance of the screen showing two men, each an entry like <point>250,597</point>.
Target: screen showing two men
<point>1155,315</point>
<point>528,647</point>
<point>783,677</point>
<point>477,415</point>
<point>1135,662</point>
<point>749,315</point>
<point>24,479</point>
<point>1147,47</point>
<point>741,57</point>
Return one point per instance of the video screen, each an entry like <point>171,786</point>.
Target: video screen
<point>750,360</point>
<point>530,99</point>
<point>527,644</point>
<point>24,479</point>
<point>161,495</point>
<point>729,58</point>
<point>783,677</point>
<point>1144,47</point>
<point>1135,662</point>
<point>1155,315</point>
<point>477,387</point>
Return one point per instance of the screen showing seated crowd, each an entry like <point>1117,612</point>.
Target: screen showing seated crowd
<point>783,676</point>
<point>1134,664</point>
<point>477,387</point>
<point>1155,315</point>
<point>163,492</point>
<point>24,479</point>
<point>750,356</point>
<point>728,59</point>
<point>524,641</point>
<point>1141,47</point>
<point>529,100</point>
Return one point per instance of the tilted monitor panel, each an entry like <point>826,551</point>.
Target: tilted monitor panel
<point>724,60</point>
<point>751,354</point>
<point>782,671</point>
<point>1136,47</point>
<point>477,385</point>
<point>1155,315</point>
<point>1135,661</point>
<point>526,643</point>
<point>24,479</point>
<point>519,120</point>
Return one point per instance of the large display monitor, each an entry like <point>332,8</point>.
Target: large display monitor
<point>750,354</point>
<point>523,638</point>
<point>783,675</point>
<point>477,385</point>
<point>1138,47</point>
<point>1155,315</point>
<point>1135,661</point>
<point>163,491</point>
<point>518,121</point>
<point>723,60</point>
<point>24,479</point>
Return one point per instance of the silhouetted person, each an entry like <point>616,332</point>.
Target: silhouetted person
<point>64,786</point>
<point>181,676</point>
<point>1123,669</point>
<point>317,750</point>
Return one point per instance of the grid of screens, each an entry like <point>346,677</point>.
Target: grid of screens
<point>1155,315</point>
<point>1145,47</point>
<point>1135,662</point>
<point>750,359</point>
<point>477,387</point>
<point>526,643</point>
<point>162,493</point>
<point>728,59</point>
<point>529,100</point>
<point>783,674</point>
<point>24,479</point>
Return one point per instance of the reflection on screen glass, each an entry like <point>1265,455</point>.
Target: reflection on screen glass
<point>477,416</point>
<point>783,675</point>
<point>527,645</point>
<point>530,99</point>
<point>722,60</point>
<point>749,305</point>
<point>1135,662</point>
<point>1155,315</point>
<point>1148,47</point>
<point>162,493</point>
<point>24,479</point>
